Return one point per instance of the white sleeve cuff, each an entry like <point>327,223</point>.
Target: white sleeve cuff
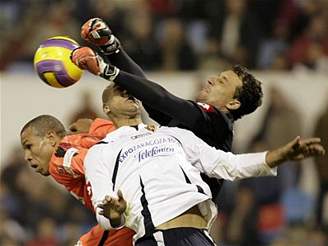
<point>268,170</point>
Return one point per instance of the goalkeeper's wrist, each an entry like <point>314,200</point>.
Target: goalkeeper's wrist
<point>109,72</point>
<point>112,46</point>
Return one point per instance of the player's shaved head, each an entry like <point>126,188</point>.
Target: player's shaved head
<point>107,93</point>
<point>43,124</point>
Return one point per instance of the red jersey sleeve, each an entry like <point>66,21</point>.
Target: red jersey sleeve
<point>100,127</point>
<point>66,164</point>
<point>67,168</point>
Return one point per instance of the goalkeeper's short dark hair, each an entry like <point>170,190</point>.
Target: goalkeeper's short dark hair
<point>249,94</point>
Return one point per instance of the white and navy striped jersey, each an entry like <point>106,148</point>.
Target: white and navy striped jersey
<point>159,173</point>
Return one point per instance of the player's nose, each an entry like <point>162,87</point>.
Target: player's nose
<point>28,158</point>
<point>211,80</point>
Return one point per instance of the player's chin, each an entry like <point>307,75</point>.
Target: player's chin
<point>44,173</point>
<point>134,111</point>
<point>202,96</point>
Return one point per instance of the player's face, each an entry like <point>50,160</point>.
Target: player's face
<point>121,104</point>
<point>37,150</point>
<point>219,90</point>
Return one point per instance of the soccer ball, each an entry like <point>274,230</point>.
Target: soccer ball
<point>53,63</point>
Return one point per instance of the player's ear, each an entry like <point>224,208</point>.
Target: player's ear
<point>233,104</point>
<point>106,109</point>
<point>52,137</point>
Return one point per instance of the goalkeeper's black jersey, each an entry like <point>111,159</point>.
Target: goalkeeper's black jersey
<point>214,127</point>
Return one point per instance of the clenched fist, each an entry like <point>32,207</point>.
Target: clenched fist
<point>97,32</point>
<point>85,58</point>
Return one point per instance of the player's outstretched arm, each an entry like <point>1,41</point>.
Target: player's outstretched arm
<point>225,165</point>
<point>145,90</point>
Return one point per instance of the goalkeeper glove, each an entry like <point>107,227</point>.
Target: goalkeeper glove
<point>97,32</point>
<point>85,58</point>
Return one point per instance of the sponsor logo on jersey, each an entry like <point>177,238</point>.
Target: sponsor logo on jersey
<point>140,135</point>
<point>154,151</point>
<point>149,148</point>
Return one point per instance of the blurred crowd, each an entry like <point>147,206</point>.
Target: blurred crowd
<point>273,211</point>
<point>180,34</point>
<point>276,210</point>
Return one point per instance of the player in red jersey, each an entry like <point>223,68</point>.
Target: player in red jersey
<point>51,151</point>
<point>66,163</point>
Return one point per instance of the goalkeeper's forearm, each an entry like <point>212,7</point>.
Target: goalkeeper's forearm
<point>151,93</point>
<point>122,60</point>
<point>145,90</point>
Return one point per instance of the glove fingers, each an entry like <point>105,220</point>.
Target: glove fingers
<point>85,29</point>
<point>96,32</point>
<point>89,63</point>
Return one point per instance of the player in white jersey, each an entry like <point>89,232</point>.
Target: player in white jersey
<point>165,200</point>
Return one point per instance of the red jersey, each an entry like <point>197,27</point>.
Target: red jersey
<point>67,168</point>
<point>66,164</point>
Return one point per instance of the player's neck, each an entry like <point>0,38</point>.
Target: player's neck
<point>118,122</point>
<point>215,105</point>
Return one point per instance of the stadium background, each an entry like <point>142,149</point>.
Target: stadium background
<point>179,43</point>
